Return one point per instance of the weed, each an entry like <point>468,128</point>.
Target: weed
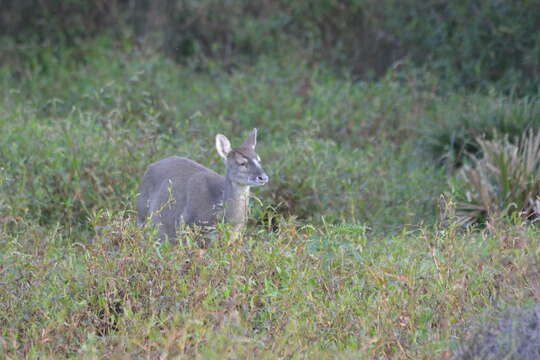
<point>502,182</point>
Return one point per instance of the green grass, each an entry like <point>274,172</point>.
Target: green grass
<point>354,266</point>
<point>302,291</point>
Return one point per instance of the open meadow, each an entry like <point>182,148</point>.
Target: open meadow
<point>356,249</point>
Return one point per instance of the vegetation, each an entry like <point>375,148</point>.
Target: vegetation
<point>504,181</point>
<point>482,45</point>
<point>514,336</point>
<point>362,245</point>
<point>454,139</point>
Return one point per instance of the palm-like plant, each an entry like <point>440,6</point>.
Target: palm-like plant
<point>503,181</point>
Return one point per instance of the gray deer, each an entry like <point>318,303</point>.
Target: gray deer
<point>178,191</point>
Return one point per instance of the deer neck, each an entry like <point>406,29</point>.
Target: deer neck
<point>235,202</point>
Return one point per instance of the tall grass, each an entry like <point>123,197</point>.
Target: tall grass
<point>342,257</point>
<point>79,136</point>
<point>301,292</point>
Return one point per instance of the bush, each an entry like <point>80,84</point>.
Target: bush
<point>57,21</point>
<point>504,181</point>
<point>460,121</point>
<point>475,45</point>
<point>516,335</point>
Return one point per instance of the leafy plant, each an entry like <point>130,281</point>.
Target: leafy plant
<point>453,140</point>
<point>504,181</point>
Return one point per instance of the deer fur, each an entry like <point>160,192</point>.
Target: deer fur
<point>178,190</point>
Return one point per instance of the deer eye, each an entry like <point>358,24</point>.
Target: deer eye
<point>242,163</point>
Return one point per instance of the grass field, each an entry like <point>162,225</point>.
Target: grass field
<point>345,256</point>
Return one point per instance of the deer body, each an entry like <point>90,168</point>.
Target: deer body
<point>178,191</point>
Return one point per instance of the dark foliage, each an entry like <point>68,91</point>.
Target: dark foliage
<point>56,21</point>
<point>455,139</point>
<point>473,44</point>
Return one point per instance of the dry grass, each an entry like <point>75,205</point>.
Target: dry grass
<point>299,291</point>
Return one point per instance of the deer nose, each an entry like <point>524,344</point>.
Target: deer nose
<point>262,179</point>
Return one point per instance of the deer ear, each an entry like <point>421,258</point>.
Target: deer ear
<point>251,140</point>
<point>223,146</point>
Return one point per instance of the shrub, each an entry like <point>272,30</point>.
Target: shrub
<point>504,181</point>
<point>460,121</point>
<point>477,45</point>
<point>57,21</point>
<point>473,44</point>
<point>514,336</point>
